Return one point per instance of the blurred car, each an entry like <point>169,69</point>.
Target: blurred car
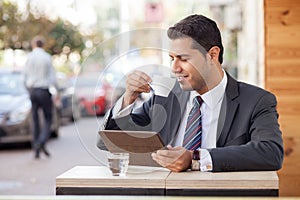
<point>116,81</point>
<point>70,105</point>
<point>97,92</point>
<point>92,100</point>
<point>15,110</point>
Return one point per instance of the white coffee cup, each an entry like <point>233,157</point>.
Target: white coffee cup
<point>162,85</point>
<point>118,163</point>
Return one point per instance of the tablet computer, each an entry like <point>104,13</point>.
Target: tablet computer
<point>139,144</point>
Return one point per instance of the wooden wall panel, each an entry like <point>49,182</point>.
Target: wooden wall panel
<point>287,37</point>
<point>282,77</point>
<point>290,131</point>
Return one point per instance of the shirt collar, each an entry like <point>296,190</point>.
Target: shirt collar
<point>38,49</point>
<point>213,96</point>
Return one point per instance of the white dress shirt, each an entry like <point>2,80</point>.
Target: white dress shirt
<point>39,71</point>
<point>210,110</point>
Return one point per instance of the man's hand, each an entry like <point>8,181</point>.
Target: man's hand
<point>136,83</point>
<point>176,159</point>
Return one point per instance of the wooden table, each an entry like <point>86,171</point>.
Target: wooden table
<point>97,180</point>
<point>193,183</point>
<point>141,180</point>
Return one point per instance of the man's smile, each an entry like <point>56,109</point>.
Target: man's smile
<point>181,77</point>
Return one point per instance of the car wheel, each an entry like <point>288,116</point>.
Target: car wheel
<point>76,112</point>
<point>54,134</point>
<point>55,123</point>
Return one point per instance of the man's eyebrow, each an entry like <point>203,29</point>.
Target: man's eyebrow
<point>179,55</point>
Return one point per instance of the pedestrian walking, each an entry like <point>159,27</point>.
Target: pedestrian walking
<point>39,76</point>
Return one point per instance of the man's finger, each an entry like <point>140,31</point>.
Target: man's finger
<point>143,76</point>
<point>163,160</point>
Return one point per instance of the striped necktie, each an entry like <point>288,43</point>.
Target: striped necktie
<point>193,131</point>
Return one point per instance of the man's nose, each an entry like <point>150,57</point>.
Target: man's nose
<point>176,68</point>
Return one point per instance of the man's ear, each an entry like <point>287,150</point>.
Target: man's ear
<point>214,53</point>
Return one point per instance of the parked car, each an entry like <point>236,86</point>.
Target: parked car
<point>15,110</point>
<point>116,81</point>
<point>98,91</point>
<point>70,106</point>
<point>92,100</point>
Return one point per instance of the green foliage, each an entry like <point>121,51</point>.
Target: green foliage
<point>65,35</point>
<point>17,29</point>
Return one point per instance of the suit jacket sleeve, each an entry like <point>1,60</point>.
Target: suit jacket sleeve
<point>138,120</point>
<point>263,150</point>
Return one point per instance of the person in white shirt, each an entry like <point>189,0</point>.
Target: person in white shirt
<point>39,76</point>
<point>237,123</point>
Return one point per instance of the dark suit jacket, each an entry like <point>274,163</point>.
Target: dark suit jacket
<point>248,134</point>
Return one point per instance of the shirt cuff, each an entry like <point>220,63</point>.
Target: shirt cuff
<point>118,113</point>
<point>205,161</point>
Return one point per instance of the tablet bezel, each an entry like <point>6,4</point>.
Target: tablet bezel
<point>131,141</point>
<point>139,144</point>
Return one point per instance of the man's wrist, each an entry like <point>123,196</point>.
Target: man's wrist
<point>128,100</point>
<point>118,111</point>
<point>195,166</point>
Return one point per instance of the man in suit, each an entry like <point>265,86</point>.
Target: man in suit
<point>237,123</point>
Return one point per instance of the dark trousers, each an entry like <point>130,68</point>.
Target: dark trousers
<point>41,99</point>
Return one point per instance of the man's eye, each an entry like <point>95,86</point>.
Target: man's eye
<point>171,59</point>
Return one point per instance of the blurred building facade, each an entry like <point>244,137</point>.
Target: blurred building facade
<point>240,21</point>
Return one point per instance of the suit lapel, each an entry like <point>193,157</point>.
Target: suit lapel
<point>228,109</point>
<point>176,117</point>
<point>222,117</point>
<point>174,106</point>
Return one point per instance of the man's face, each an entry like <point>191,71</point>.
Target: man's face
<point>189,65</point>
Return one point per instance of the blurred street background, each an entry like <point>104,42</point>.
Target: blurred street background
<point>94,44</point>
<point>84,36</point>
<point>21,174</point>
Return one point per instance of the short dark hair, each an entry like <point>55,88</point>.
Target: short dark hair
<point>38,41</point>
<point>204,32</point>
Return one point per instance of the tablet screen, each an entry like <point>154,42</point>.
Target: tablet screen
<point>131,141</point>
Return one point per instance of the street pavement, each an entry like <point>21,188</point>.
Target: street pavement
<point>21,174</point>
